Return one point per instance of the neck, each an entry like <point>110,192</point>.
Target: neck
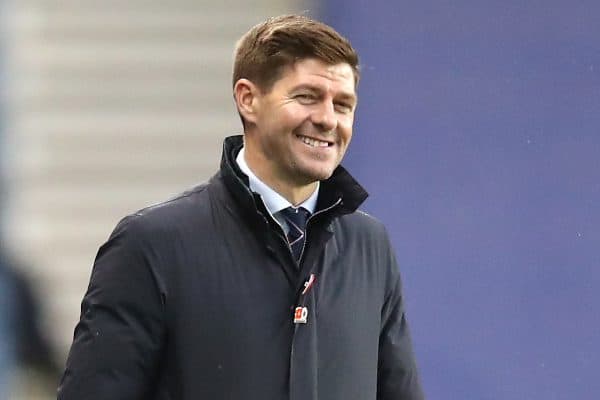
<point>295,193</point>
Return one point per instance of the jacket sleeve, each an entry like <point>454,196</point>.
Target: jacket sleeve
<point>397,375</point>
<point>119,338</point>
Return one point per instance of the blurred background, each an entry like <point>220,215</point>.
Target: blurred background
<point>477,135</point>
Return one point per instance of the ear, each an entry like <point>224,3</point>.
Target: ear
<point>246,95</point>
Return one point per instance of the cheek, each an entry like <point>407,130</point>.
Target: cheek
<point>295,115</point>
<point>345,123</point>
<point>346,131</point>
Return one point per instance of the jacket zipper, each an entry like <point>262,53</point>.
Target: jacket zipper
<point>282,232</point>
<point>339,200</point>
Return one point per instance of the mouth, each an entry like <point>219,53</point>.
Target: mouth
<point>312,142</point>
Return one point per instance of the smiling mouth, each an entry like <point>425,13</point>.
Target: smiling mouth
<point>314,142</point>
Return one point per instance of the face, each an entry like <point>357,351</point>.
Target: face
<point>301,128</point>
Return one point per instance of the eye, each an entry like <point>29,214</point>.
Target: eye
<point>305,98</point>
<point>343,107</point>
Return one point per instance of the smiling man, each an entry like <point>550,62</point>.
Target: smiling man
<point>298,130</point>
<point>266,282</point>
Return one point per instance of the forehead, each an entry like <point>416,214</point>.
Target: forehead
<point>314,72</point>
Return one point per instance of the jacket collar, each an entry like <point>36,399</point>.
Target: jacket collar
<point>341,185</point>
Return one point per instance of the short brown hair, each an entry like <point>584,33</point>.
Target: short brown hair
<point>266,49</point>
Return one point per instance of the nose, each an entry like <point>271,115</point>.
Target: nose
<point>325,117</point>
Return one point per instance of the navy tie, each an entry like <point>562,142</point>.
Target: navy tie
<point>296,219</point>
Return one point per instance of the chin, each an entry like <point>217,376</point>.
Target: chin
<point>311,171</point>
<point>317,175</point>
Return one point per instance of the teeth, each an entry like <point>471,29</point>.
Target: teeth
<point>313,142</point>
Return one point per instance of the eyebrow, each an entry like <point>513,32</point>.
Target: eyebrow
<point>306,86</point>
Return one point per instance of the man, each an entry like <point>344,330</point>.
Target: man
<point>266,282</point>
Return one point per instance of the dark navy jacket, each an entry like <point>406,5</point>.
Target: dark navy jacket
<point>194,299</point>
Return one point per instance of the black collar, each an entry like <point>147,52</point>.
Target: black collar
<point>340,186</point>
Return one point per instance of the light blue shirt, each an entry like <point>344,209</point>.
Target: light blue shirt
<point>274,202</point>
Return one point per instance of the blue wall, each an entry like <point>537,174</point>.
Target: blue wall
<point>478,137</point>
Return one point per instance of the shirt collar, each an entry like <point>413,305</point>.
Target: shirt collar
<point>273,200</point>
